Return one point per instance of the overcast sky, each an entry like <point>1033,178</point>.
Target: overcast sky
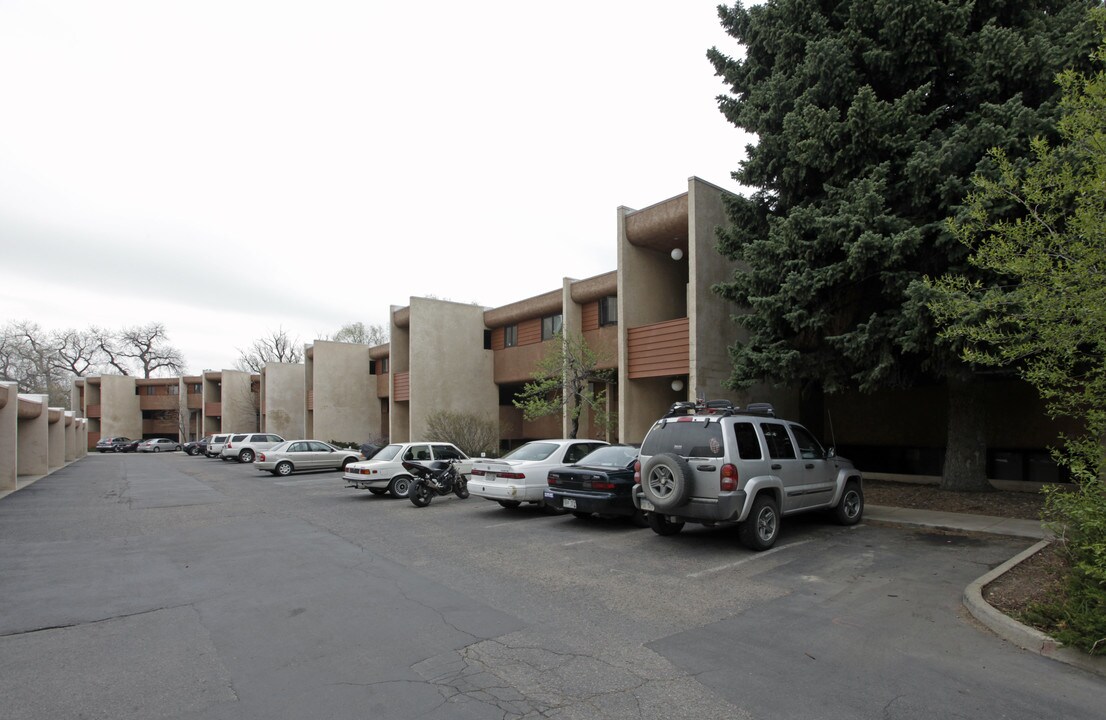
<point>236,166</point>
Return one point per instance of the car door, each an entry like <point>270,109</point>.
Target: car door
<point>451,452</point>
<point>785,464</point>
<point>818,473</point>
<point>322,456</point>
<point>299,454</point>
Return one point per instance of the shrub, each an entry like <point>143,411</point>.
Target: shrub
<point>472,433</point>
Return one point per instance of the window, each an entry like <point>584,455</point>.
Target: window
<point>510,336</point>
<point>779,444</point>
<point>809,448</point>
<point>447,452</point>
<point>550,326</point>
<point>686,439</point>
<point>382,366</point>
<point>417,452</point>
<point>608,311</point>
<point>174,389</point>
<point>748,447</point>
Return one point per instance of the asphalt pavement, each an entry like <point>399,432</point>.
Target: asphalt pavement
<point>176,587</point>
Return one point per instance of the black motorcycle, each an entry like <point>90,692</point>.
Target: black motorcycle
<point>439,477</point>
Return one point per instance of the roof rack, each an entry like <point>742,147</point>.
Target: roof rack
<point>718,408</point>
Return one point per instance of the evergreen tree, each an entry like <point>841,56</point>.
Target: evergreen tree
<point>872,116</point>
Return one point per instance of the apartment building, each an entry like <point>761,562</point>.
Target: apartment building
<point>341,392</point>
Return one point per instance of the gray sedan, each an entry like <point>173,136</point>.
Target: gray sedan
<point>295,455</point>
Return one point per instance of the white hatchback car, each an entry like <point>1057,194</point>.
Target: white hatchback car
<point>385,473</point>
<point>522,475</point>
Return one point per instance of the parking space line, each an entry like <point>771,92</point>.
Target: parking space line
<point>728,566</point>
<point>577,542</point>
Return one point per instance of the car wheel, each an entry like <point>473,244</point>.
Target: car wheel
<point>283,468</point>
<point>345,463</point>
<point>246,456</point>
<point>666,481</point>
<point>639,519</point>
<point>419,494</point>
<point>378,491</point>
<point>662,525</point>
<point>177,448</point>
<point>157,449</point>
<point>510,504</point>
<point>400,486</point>
<point>851,508</point>
<point>117,449</point>
<point>193,452</point>
<point>760,530</point>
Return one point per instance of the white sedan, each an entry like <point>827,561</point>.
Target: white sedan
<point>294,455</point>
<point>522,475</point>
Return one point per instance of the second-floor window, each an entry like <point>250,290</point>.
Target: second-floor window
<point>510,336</point>
<point>608,311</point>
<point>550,326</point>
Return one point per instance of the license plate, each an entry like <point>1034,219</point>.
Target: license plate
<point>646,505</point>
<point>570,504</point>
<point>489,477</point>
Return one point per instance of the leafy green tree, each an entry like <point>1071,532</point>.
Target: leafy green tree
<point>1041,233</point>
<point>871,118</point>
<point>563,380</point>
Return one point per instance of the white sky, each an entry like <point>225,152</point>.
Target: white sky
<point>229,167</point>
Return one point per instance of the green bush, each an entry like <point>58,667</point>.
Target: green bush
<point>1079,519</point>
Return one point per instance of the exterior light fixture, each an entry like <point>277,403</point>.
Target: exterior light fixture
<point>677,385</point>
<point>677,254</point>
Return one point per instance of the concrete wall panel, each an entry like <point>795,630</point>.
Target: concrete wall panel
<point>34,435</point>
<point>282,399</point>
<point>9,435</point>
<point>55,420</point>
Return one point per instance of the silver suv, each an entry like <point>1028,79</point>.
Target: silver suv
<point>244,447</point>
<point>712,463</point>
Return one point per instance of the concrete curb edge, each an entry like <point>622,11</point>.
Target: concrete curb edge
<point>1018,634</point>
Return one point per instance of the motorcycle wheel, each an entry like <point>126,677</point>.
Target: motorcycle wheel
<point>420,494</point>
<point>461,487</point>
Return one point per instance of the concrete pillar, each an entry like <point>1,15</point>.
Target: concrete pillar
<point>34,435</point>
<point>82,437</point>
<point>70,436</point>
<point>55,424</point>
<point>9,435</point>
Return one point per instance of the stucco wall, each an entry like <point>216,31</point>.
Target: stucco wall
<point>239,402</point>
<point>9,435</point>
<point>450,369</point>
<point>120,413</point>
<point>34,435</point>
<point>345,404</point>
<point>282,387</point>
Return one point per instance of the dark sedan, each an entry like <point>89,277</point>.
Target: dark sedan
<point>599,484</point>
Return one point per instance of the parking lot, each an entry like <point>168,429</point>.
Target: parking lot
<point>166,586</point>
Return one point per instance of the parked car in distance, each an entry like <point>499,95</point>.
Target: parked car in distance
<point>601,483</point>
<point>522,474</point>
<point>244,447</point>
<point>215,444</point>
<point>385,473</point>
<point>156,445</point>
<point>112,444</point>
<point>296,455</point>
<point>713,464</point>
<point>131,446</point>
<point>197,447</point>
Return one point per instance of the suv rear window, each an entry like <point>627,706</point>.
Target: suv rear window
<point>686,439</point>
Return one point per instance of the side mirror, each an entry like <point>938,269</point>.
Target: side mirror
<point>831,453</point>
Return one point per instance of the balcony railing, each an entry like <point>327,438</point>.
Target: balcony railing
<point>658,350</point>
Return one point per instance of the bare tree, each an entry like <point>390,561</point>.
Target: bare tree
<point>148,346</point>
<point>359,332</point>
<point>28,356</point>
<point>77,352</point>
<point>275,347</point>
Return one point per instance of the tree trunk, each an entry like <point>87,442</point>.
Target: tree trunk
<point>966,447</point>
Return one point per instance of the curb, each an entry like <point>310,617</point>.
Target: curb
<point>1021,635</point>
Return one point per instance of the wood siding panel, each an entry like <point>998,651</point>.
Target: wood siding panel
<point>92,411</point>
<point>658,350</point>
<point>589,316</point>
<point>158,402</point>
<point>310,399</point>
<point>195,402</point>
<point>213,409</point>
<point>529,332</point>
<point>403,387</point>
<point>498,343</point>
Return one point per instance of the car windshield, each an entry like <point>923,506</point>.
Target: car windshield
<point>613,456</point>
<point>532,451</point>
<point>388,453</point>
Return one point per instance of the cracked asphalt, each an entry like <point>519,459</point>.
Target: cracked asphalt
<point>154,586</point>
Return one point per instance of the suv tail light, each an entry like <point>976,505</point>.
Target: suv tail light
<point>229,446</point>
<point>637,472</point>
<point>727,480</point>
<point>261,457</point>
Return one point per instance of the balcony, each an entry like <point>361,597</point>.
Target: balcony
<point>658,350</point>
<point>213,409</point>
<point>402,387</point>
<point>92,411</point>
<point>195,401</point>
<point>159,402</point>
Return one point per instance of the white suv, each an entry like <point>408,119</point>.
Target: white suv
<point>215,444</point>
<point>712,463</point>
<point>244,447</point>
<point>384,471</point>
